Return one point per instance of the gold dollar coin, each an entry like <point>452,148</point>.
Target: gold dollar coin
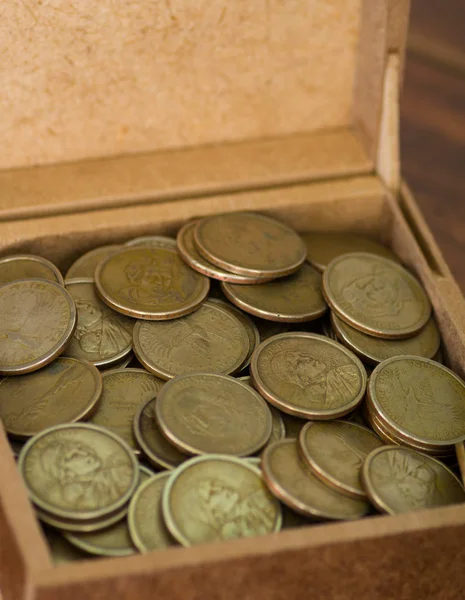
<point>210,339</point>
<point>214,498</point>
<point>154,241</point>
<point>296,298</point>
<point>399,480</point>
<point>37,319</point>
<point>420,399</point>
<point>80,526</point>
<point>64,391</point>
<point>146,525</point>
<point>84,267</point>
<point>296,486</point>
<point>27,266</point>
<point>150,283</point>
<point>124,392</point>
<point>335,453</point>
<point>376,295</point>
<point>188,250</point>
<point>308,375</point>
<point>102,336</point>
<point>322,248</point>
<point>374,350</point>
<point>153,444</point>
<point>208,413</point>
<point>78,472</point>
<point>250,244</point>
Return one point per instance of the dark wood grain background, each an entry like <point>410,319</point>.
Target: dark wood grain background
<point>433,122</point>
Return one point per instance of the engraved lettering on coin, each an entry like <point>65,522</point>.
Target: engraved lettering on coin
<point>102,336</point>
<point>401,480</point>
<point>210,339</point>
<point>376,295</point>
<point>37,318</point>
<point>66,390</point>
<point>26,266</point>
<point>85,265</point>
<point>216,498</point>
<point>308,375</point>
<point>124,392</point>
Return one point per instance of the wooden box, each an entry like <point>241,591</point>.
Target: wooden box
<point>288,107</point>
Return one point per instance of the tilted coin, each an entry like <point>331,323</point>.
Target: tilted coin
<point>155,447</point>
<point>308,375</point>
<point>336,451</point>
<point>420,399</point>
<point>322,248</point>
<point>296,298</point>
<point>102,336</point>
<point>150,283</point>
<point>208,413</point>
<point>64,391</point>
<point>27,266</point>
<point>210,339</point>
<point>213,498</point>
<point>145,518</point>
<point>61,550</point>
<point>188,250</point>
<point>84,267</point>
<point>250,244</point>
<point>78,471</point>
<point>129,360</point>
<point>374,350</point>
<point>154,241</point>
<point>124,392</point>
<point>111,541</point>
<point>399,480</point>
<point>79,526</point>
<point>376,295</point>
<point>296,486</point>
<point>37,319</point>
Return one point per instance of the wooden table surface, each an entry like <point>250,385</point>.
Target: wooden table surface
<point>433,122</point>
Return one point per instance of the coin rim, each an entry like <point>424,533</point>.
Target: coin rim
<point>192,462</point>
<point>151,241</point>
<point>147,315</point>
<point>385,332</point>
<point>186,448</point>
<point>234,268</point>
<point>60,346</point>
<point>68,278</point>
<point>260,385</point>
<point>91,514</point>
<point>35,258</point>
<point>86,413</point>
<point>76,526</point>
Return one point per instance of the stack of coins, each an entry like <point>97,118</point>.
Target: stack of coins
<point>214,386</point>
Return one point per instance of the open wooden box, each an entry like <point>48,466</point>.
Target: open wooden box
<point>284,107</point>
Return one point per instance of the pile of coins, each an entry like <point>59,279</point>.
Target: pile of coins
<point>233,381</point>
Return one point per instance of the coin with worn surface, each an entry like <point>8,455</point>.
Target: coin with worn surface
<point>420,399</point>
<point>61,550</point>
<point>296,486</point>
<point>145,518</point>
<point>293,299</point>
<point>153,444</point>
<point>376,295</point>
<point>124,392</point>
<point>111,541</point>
<point>374,350</point>
<point>84,267</point>
<point>250,244</point>
<point>154,241</point>
<point>64,391</point>
<point>27,266</point>
<point>188,250</point>
<point>213,498</point>
<point>78,471</point>
<point>210,339</point>
<point>102,336</point>
<point>336,451</point>
<point>37,319</point>
<point>324,247</point>
<point>208,413</point>
<point>308,375</point>
<point>150,283</point>
<point>399,480</point>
